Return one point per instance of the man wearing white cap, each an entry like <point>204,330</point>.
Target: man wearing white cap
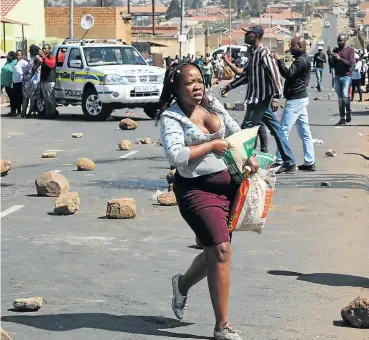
<point>319,61</point>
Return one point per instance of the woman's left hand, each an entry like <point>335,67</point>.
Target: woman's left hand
<point>253,164</point>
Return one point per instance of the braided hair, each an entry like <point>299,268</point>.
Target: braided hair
<point>171,82</point>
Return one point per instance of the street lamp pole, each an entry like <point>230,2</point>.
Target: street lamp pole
<point>181,29</point>
<point>71,19</point>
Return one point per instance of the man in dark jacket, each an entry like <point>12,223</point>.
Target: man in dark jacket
<point>48,79</point>
<point>319,61</point>
<point>295,91</point>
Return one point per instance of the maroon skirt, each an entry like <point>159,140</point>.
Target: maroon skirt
<point>205,203</point>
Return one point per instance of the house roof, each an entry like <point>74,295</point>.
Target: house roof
<point>7,6</point>
<point>12,22</point>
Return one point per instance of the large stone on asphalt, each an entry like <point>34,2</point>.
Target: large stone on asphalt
<point>77,135</point>
<point>49,155</point>
<point>146,140</point>
<point>85,164</point>
<point>4,335</point>
<point>167,199</point>
<point>128,124</point>
<point>125,145</point>
<point>228,106</point>
<point>170,176</point>
<point>121,208</point>
<point>239,106</point>
<point>31,304</point>
<point>51,184</point>
<point>67,203</point>
<point>5,167</point>
<point>357,313</point>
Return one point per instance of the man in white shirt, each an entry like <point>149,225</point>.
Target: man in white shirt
<point>19,69</point>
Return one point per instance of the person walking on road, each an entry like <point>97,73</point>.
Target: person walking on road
<point>331,66</point>
<point>295,91</point>
<point>356,78</point>
<point>193,129</point>
<point>263,79</point>
<point>7,81</point>
<point>343,58</point>
<point>319,61</point>
<point>48,80</point>
<point>18,73</point>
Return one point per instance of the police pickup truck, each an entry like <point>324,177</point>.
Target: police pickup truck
<point>103,75</point>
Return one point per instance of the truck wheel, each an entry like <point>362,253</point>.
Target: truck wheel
<point>93,108</point>
<point>151,110</point>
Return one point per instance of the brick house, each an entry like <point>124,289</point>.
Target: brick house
<point>110,23</point>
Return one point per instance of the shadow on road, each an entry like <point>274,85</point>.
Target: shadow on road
<point>338,181</point>
<point>133,324</point>
<point>327,279</point>
<point>80,117</point>
<point>357,154</point>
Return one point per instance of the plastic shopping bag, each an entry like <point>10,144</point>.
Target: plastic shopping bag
<point>252,202</point>
<point>241,146</point>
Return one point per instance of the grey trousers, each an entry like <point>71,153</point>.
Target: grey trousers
<point>49,97</point>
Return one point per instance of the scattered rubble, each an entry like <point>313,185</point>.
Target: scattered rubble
<point>5,167</point>
<point>77,135</point>
<point>4,335</point>
<point>51,184</point>
<point>49,154</point>
<point>239,106</point>
<point>170,176</point>
<point>85,164</point>
<point>325,184</point>
<point>31,304</point>
<point>67,203</point>
<point>167,199</point>
<point>317,141</point>
<point>146,140</point>
<point>357,313</point>
<point>128,124</point>
<point>159,143</point>
<point>125,145</point>
<point>228,106</point>
<point>331,153</point>
<point>121,208</point>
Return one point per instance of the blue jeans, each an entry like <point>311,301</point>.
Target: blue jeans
<point>342,87</point>
<point>295,111</point>
<point>319,77</point>
<point>271,120</point>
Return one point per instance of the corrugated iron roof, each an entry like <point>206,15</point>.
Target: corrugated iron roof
<point>7,6</point>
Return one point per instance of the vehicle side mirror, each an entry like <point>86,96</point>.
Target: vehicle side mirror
<point>75,63</point>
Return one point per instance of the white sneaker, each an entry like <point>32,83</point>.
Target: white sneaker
<point>179,301</point>
<point>227,333</point>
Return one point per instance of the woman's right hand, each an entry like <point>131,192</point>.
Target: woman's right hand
<point>219,146</point>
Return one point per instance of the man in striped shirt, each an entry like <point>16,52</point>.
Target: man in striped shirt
<point>262,76</point>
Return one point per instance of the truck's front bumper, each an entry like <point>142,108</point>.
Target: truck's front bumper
<point>129,94</point>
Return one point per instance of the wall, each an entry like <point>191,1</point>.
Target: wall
<point>32,13</point>
<point>108,23</point>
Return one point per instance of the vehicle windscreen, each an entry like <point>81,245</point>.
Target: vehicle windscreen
<point>116,55</point>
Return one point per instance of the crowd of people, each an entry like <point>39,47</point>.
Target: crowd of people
<point>26,79</point>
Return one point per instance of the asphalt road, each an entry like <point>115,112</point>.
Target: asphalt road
<point>110,279</point>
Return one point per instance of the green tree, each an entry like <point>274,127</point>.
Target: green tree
<point>174,10</point>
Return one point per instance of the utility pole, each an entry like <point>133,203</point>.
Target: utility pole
<point>181,29</point>
<point>153,17</point>
<point>71,19</point>
<point>270,30</point>
<point>230,27</point>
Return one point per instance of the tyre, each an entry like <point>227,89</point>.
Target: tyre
<point>93,108</point>
<point>40,106</point>
<point>151,110</point>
